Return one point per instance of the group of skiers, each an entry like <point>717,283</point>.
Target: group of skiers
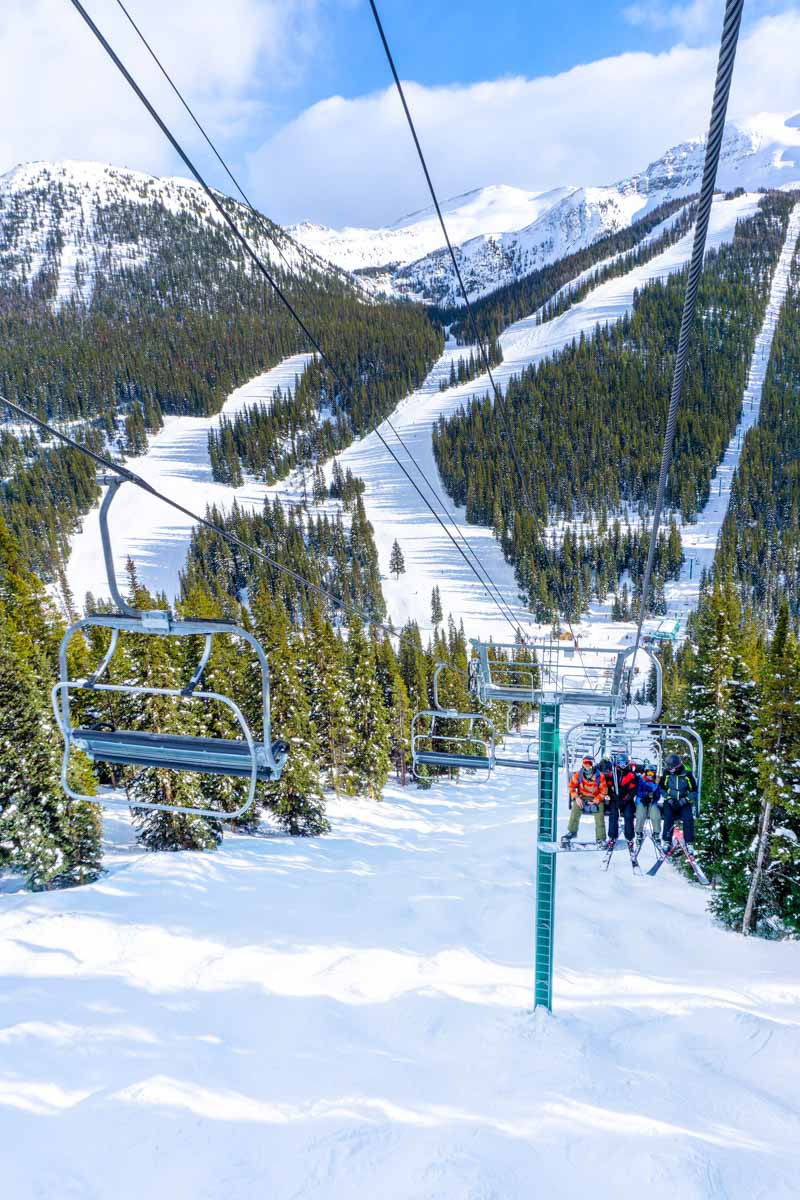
<point>616,785</point>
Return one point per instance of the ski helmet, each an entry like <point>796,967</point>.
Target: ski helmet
<point>605,765</point>
<point>673,762</point>
<point>588,765</point>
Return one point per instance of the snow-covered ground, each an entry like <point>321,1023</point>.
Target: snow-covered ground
<point>700,538</point>
<point>351,1017</point>
<point>177,462</point>
<point>396,512</point>
<point>143,528</point>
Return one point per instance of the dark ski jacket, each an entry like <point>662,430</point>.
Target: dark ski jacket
<point>679,787</point>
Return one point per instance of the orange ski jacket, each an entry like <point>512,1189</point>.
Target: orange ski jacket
<point>593,789</point>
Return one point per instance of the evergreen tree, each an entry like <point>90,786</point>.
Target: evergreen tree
<point>723,706</point>
<point>396,561</point>
<point>53,841</point>
<point>773,899</point>
<point>437,614</point>
<point>371,752</point>
<point>296,800</point>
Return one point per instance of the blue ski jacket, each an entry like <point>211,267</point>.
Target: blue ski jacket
<point>648,791</point>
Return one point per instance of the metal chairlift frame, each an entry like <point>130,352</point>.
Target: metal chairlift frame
<point>450,758</point>
<point>662,733</point>
<point>256,761</point>
<point>562,672</point>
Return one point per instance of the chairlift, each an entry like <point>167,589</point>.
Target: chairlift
<point>556,673</point>
<point>641,740</point>
<point>434,744</point>
<point>245,758</point>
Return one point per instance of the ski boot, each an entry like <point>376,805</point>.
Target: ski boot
<point>566,841</point>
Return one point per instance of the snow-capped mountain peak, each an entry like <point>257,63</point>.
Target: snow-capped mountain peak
<point>71,220</point>
<point>505,232</point>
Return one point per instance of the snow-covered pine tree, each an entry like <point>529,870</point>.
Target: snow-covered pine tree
<point>437,615</point>
<point>396,561</point>
<point>296,800</point>
<point>54,842</point>
<point>773,899</point>
<point>722,707</point>
<point>371,752</point>
<point>398,707</point>
<point>327,686</point>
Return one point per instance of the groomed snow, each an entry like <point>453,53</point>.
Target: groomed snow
<point>154,535</point>
<point>177,462</point>
<point>350,1017</point>
<point>700,537</point>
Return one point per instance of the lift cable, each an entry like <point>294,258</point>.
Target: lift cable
<point>217,202</point>
<point>465,541</point>
<point>497,595</point>
<point>129,476</point>
<point>260,218</point>
<point>727,56</point>
<point>498,395</point>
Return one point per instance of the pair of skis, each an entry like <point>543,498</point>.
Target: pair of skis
<point>634,853</point>
<point>677,849</point>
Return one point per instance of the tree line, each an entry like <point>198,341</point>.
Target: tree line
<point>587,425</point>
<point>739,686</point>
<point>174,319</point>
<point>760,539</point>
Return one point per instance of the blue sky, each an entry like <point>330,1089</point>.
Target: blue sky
<point>467,41</point>
<point>297,95</point>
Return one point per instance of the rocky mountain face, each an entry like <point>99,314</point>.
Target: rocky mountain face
<point>497,247</point>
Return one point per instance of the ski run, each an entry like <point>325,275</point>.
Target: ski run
<point>350,1016</point>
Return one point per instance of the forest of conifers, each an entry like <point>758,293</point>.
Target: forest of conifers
<point>587,425</point>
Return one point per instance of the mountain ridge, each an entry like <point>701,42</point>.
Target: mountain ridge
<point>761,151</point>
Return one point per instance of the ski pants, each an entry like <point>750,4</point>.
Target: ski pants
<point>575,814</point>
<point>627,807</point>
<point>651,812</point>
<point>679,812</point>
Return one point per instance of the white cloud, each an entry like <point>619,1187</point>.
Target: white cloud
<point>351,161</point>
<point>697,18</point>
<point>62,98</point>
<point>690,20</point>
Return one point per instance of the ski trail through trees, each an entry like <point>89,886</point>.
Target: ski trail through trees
<point>700,537</point>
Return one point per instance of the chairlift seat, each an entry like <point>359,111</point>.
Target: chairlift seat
<point>175,752</point>
<point>434,758</point>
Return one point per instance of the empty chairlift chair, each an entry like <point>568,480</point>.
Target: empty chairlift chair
<point>446,738</point>
<point>245,758</point>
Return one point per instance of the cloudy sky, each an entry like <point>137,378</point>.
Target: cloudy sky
<point>295,92</point>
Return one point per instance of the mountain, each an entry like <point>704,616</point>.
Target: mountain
<point>483,211</point>
<point>504,233</point>
<point>65,225</point>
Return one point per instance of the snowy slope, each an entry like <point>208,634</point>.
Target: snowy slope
<point>496,247</point>
<point>143,528</point>
<point>700,537</point>
<point>350,1017</point>
<point>483,211</point>
<point>158,542</point>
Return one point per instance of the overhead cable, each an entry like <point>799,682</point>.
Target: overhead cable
<point>216,201</point>
<point>498,395</point>
<point>727,57</point>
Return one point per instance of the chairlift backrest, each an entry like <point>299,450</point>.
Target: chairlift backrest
<point>258,761</point>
